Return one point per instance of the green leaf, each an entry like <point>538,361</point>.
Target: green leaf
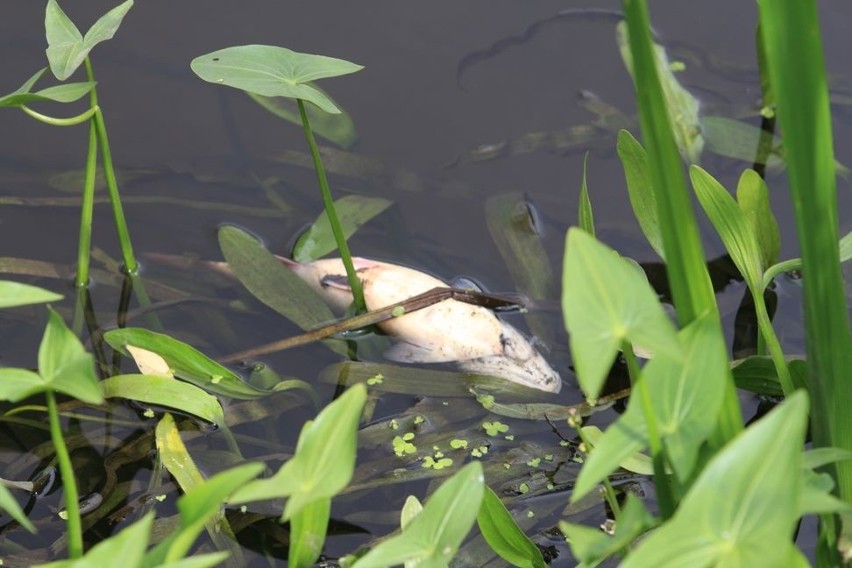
<point>274,284</point>
<point>503,534</point>
<point>66,46</point>
<point>166,391</point>
<point>410,509</point>
<point>336,128</point>
<point>353,211</point>
<point>125,549</point>
<point>64,364</point>
<point>18,384</point>
<point>585,215</point>
<point>753,199</point>
<point>324,460</point>
<point>185,362</point>
<point>744,503</point>
<point>272,72</point>
<point>731,224</point>
<point>605,302</point>
<point>67,93</point>
<point>634,161</point>
<point>757,374</point>
<point>10,506</point>
<point>197,507</point>
<point>636,463</point>
<point>685,410</point>
<point>307,533</point>
<point>432,538</point>
<point>16,294</point>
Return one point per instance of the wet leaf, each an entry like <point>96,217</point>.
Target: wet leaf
<point>274,284</point>
<point>272,72</point>
<point>185,362</point>
<point>503,534</point>
<point>606,301</point>
<point>67,93</point>
<point>731,225</point>
<point>336,128</point>
<point>353,211</point>
<point>165,391</point>
<point>432,538</point>
<point>324,460</point>
<point>760,475</point>
<point>65,365</point>
<point>753,199</point>
<point>634,160</point>
<point>66,46</point>
<point>10,506</point>
<point>685,410</point>
<point>14,294</point>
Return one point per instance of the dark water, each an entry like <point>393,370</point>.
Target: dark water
<point>179,141</point>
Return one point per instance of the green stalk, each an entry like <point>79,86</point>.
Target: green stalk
<point>69,483</point>
<point>689,280</point>
<point>794,56</point>
<point>84,243</point>
<point>130,264</point>
<point>769,340</point>
<point>328,203</point>
<point>53,121</point>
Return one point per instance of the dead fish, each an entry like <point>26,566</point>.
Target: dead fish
<point>449,331</point>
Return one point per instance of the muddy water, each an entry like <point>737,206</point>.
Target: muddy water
<point>443,95</point>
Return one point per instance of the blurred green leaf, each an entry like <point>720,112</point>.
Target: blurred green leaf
<point>585,215</point>
<point>18,384</point>
<point>757,374</point>
<point>605,302</point>
<point>681,105</point>
<point>432,538</point>
<point>64,363</point>
<point>16,294</point>
<point>66,46</point>
<point>324,460</point>
<point>753,200</point>
<point>410,510</point>
<point>10,506</point>
<point>165,391</point>
<point>353,211</point>
<point>503,534</point>
<point>685,409</point>
<point>738,140</point>
<point>272,72</point>
<point>637,462</point>
<point>67,93</point>
<point>743,505</point>
<point>185,362</point>
<point>125,549</point>
<point>197,507</point>
<point>336,128</point>
<point>731,225</point>
<point>307,533</point>
<point>634,161</point>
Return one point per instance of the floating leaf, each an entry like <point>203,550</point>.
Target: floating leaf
<point>65,365</point>
<point>503,534</point>
<point>353,211</point>
<point>185,362</point>
<point>165,391</point>
<point>432,538</point>
<point>336,128</point>
<point>66,46</point>
<point>60,93</point>
<point>606,301</point>
<point>634,161</point>
<point>324,460</point>
<point>272,72</point>
<point>760,506</point>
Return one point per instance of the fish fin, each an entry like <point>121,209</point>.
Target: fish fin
<point>336,281</point>
<point>405,352</point>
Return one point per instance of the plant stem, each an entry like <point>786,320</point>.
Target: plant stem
<point>53,121</point>
<point>69,483</point>
<point>328,203</point>
<point>130,264</point>
<point>84,243</point>
<point>767,332</point>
